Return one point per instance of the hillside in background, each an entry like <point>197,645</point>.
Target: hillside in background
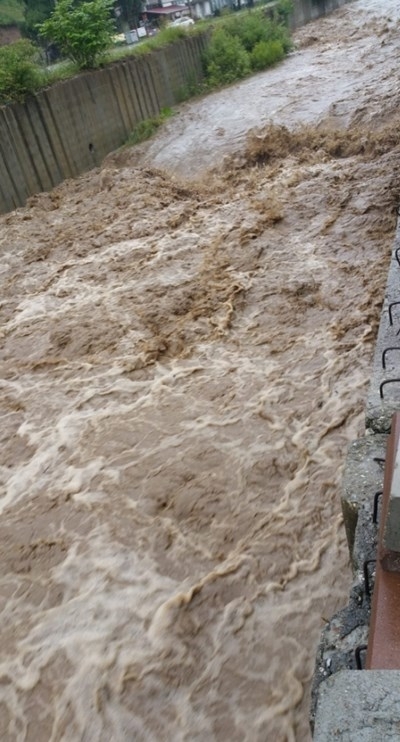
<point>11,15</point>
<point>11,12</point>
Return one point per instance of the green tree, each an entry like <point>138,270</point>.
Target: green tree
<point>82,31</point>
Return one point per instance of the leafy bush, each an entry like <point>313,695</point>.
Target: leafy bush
<point>226,59</point>
<point>82,32</point>
<point>278,32</point>
<point>19,74</point>
<point>249,29</point>
<point>170,34</point>
<point>265,54</point>
<point>243,42</point>
<point>167,35</point>
<point>257,27</point>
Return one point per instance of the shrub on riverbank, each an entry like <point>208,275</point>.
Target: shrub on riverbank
<point>242,43</point>
<point>265,54</point>
<point>19,74</point>
<point>227,59</point>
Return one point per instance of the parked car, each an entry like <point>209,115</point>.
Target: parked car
<point>183,21</point>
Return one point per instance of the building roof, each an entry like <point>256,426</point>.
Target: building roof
<point>167,10</point>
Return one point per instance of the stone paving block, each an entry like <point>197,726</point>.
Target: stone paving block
<point>359,706</point>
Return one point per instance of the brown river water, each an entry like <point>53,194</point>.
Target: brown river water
<point>186,343</point>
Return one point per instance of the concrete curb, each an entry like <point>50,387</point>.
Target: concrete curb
<point>348,629</point>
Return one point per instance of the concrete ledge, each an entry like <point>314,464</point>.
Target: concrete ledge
<point>379,411</point>
<point>362,478</point>
<point>349,704</point>
<point>359,706</point>
<point>349,628</point>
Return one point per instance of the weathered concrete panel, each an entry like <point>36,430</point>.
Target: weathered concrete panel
<point>361,706</point>
<point>17,179</point>
<point>384,400</point>
<point>309,10</point>
<point>362,478</point>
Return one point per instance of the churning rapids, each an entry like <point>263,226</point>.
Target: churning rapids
<point>185,354</point>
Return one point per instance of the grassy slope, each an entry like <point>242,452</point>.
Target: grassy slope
<point>11,12</point>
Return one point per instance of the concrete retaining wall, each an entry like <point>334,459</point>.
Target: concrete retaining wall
<point>69,128</point>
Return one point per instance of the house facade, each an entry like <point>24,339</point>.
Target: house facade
<point>196,9</point>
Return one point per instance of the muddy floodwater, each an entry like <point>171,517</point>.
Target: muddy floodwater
<point>186,343</point>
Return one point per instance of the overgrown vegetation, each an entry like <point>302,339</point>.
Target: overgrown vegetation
<point>166,36</point>
<point>19,73</point>
<point>145,129</point>
<point>282,11</point>
<point>226,59</point>
<point>266,53</point>
<point>243,43</point>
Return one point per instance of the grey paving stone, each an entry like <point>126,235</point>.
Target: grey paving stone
<point>359,706</point>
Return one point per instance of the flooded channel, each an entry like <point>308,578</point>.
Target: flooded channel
<point>187,336</point>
